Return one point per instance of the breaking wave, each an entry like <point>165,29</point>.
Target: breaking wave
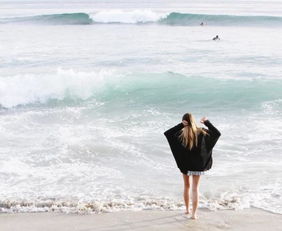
<point>109,86</point>
<point>147,17</point>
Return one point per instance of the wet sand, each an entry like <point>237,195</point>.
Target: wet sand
<point>242,220</point>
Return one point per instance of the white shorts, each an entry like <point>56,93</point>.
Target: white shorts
<point>197,173</point>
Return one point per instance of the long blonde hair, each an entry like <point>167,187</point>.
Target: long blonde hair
<point>189,134</point>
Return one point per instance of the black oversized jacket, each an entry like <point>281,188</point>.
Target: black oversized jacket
<point>199,158</point>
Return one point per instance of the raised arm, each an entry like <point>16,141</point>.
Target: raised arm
<point>173,130</point>
<point>212,129</point>
<point>213,134</point>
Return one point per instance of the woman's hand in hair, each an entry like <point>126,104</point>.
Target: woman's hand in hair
<point>203,120</point>
<point>185,123</point>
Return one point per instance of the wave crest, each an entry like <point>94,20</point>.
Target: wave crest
<point>60,19</point>
<point>146,17</point>
<point>64,84</point>
<point>127,17</point>
<point>111,87</point>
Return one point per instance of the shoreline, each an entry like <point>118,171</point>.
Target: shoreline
<point>149,220</point>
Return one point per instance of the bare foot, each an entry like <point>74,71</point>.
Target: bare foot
<point>194,217</point>
<point>187,212</point>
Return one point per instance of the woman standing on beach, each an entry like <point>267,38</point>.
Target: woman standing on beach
<point>192,147</point>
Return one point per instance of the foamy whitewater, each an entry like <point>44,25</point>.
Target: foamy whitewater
<point>88,88</point>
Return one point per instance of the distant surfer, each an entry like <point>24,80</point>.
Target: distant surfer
<point>192,147</point>
<point>216,38</point>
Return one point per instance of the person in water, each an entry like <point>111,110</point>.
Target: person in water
<point>216,38</point>
<point>192,147</point>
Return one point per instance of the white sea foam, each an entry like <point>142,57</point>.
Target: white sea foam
<point>122,16</point>
<point>272,107</point>
<point>31,88</point>
<point>227,200</point>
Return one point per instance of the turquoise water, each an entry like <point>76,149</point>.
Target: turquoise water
<point>87,90</point>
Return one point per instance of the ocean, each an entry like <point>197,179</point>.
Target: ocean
<point>87,89</point>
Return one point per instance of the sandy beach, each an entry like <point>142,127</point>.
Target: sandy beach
<point>248,219</point>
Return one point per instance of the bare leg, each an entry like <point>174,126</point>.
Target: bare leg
<point>186,192</point>
<point>195,195</point>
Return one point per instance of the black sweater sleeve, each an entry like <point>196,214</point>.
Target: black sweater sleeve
<point>170,132</point>
<point>213,130</point>
<point>176,148</point>
<point>214,134</point>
